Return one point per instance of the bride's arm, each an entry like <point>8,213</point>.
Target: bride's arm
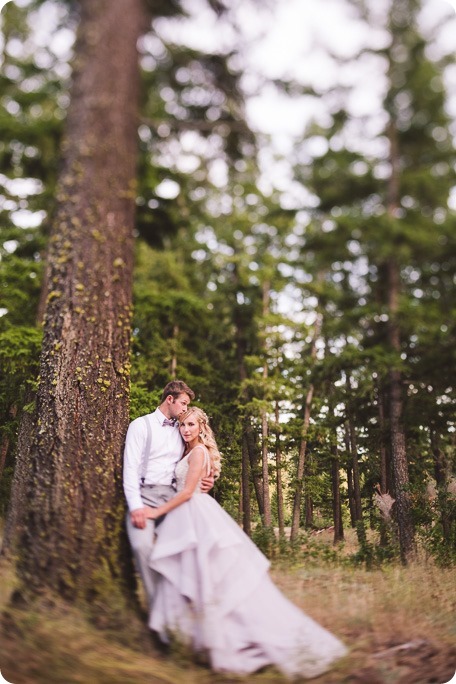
<point>195,469</point>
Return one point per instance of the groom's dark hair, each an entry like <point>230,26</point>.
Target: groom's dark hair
<point>175,388</point>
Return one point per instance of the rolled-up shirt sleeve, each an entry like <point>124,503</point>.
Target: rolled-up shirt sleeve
<point>134,447</point>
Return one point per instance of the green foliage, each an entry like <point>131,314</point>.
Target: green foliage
<point>142,400</point>
<point>19,363</point>
<point>312,551</point>
<point>265,539</point>
<point>438,534</point>
<point>228,282</point>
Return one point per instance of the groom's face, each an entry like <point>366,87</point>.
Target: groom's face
<point>179,405</point>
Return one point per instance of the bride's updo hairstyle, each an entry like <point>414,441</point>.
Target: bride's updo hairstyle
<point>206,437</point>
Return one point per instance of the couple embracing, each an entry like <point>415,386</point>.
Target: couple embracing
<point>205,580</point>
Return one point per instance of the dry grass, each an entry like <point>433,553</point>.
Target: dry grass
<point>371,611</point>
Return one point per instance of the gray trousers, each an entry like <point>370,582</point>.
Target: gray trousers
<point>142,540</point>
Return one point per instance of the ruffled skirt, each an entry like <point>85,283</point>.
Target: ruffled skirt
<point>213,591</point>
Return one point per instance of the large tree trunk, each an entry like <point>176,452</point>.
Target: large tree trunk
<point>71,541</point>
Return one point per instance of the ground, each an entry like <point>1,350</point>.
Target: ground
<point>399,624</point>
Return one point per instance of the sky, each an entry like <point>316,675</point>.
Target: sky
<point>290,39</point>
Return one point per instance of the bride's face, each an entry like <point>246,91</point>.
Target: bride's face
<point>189,429</point>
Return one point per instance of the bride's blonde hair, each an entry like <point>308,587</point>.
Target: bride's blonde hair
<point>206,437</point>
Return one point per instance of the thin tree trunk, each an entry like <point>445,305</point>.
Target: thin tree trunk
<point>336,501</point>
<point>249,439</point>
<point>308,512</point>
<point>296,515</point>
<point>400,469</point>
<point>4,447</point>
<point>384,465</point>
<point>173,368</point>
<point>350,430</point>
<point>335,476</point>
<point>396,399</point>
<point>350,441</point>
<point>335,486</point>
<point>254,459</point>
<point>267,517</point>
<point>356,475</point>
<point>17,506</point>
<point>358,513</point>
<point>279,485</point>
<point>385,478</point>
<point>441,478</point>
<point>246,512</point>
<point>5,443</point>
<point>351,500</point>
<point>71,482</point>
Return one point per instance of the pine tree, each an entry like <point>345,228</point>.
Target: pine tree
<point>72,496</point>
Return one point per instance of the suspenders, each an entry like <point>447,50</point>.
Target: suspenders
<point>146,452</point>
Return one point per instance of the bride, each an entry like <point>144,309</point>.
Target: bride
<point>212,587</point>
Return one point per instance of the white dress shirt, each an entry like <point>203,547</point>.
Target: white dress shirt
<point>166,450</point>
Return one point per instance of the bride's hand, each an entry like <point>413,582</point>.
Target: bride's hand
<point>151,513</point>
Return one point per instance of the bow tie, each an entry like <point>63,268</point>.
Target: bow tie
<point>169,422</point>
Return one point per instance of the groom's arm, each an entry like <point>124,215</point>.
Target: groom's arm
<point>134,445</point>
<point>207,483</point>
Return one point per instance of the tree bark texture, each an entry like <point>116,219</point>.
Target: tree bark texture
<point>74,504</point>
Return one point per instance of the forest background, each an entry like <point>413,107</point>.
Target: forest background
<point>307,294</point>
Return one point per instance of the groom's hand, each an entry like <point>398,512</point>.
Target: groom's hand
<point>138,517</point>
<point>207,483</point>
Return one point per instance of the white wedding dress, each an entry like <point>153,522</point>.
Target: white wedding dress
<point>214,592</point>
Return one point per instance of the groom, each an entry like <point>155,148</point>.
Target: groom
<point>153,447</point>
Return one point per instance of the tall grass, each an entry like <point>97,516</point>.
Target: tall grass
<point>399,624</point>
